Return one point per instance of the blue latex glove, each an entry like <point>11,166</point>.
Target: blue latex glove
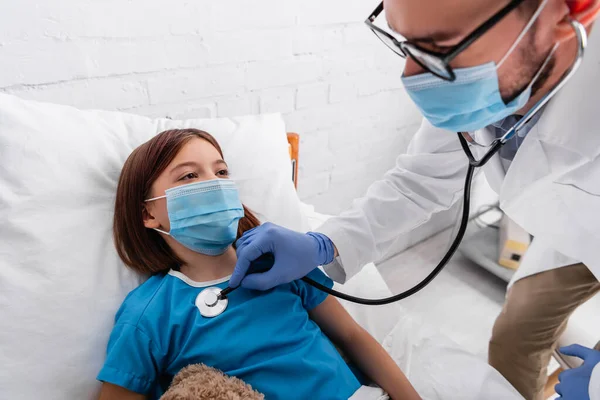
<point>296,254</point>
<point>574,383</point>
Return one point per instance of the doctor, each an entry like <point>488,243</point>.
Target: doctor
<point>547,176</point>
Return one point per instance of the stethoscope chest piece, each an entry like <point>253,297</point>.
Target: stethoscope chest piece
<point>209,303</point>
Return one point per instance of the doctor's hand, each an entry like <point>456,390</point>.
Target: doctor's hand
<point>574,383</point>
<point>296,254</point>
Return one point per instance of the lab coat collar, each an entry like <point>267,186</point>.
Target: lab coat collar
<point>553,186</point>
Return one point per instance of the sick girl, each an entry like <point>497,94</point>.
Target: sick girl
<point>177,216</point>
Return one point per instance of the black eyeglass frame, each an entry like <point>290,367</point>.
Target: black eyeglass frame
<point>445,58</point>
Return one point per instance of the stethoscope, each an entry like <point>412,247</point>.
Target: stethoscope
<point>213,301</point>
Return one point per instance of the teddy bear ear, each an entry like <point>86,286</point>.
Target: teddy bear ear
<point>182,386</point>
<point>188,372</point>
<point>200,382</point>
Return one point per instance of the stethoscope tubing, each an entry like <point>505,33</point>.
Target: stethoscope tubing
<point>421,285</point>
<point>495,146</point>
<point>581,36</point>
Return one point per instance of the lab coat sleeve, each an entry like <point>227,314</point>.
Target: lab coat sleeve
<point>595,383</point>
<point>428,179</point>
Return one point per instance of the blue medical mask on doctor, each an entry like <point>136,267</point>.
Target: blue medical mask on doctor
<point>473,100</point>
<point>204,215</point>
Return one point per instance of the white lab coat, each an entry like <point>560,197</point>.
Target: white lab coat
<point>552,188</point>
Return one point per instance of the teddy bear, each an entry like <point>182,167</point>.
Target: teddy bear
<point>200,382</point>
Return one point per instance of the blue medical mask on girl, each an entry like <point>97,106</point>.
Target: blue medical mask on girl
<point>473,100</point>
<point>204,215</point>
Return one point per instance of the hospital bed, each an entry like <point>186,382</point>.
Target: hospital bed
<point>61,281</point>
<point>436,366</point>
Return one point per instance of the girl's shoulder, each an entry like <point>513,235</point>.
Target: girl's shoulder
<point>141,299</point>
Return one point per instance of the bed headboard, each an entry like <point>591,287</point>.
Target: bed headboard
<point>294,146</point>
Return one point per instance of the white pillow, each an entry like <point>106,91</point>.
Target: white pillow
<point>60,279</point>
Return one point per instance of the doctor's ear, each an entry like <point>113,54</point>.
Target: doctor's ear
<point>584,11</point>
<point>149,220</point>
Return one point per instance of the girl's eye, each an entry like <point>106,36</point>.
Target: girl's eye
<point>223,172</point>
<point>191,175</point>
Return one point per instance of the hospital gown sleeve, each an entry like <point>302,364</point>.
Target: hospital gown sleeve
<point>311,296</point>
<point>132,359</point>
<point>426,180</point>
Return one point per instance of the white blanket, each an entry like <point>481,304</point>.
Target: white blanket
<point>437,367</point>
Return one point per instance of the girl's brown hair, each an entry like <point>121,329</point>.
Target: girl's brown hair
<point>140,248</point>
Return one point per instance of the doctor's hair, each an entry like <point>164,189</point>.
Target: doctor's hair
<point>140,248</point>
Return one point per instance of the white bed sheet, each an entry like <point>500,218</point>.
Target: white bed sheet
<point>436,366</point>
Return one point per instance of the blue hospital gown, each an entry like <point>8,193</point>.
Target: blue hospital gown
<point>264,338</point>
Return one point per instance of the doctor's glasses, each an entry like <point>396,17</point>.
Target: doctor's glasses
<point>435,62</point>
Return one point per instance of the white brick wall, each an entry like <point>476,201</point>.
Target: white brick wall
<point>312,60</point>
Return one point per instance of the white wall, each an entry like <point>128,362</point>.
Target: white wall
<point>312,60</point>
